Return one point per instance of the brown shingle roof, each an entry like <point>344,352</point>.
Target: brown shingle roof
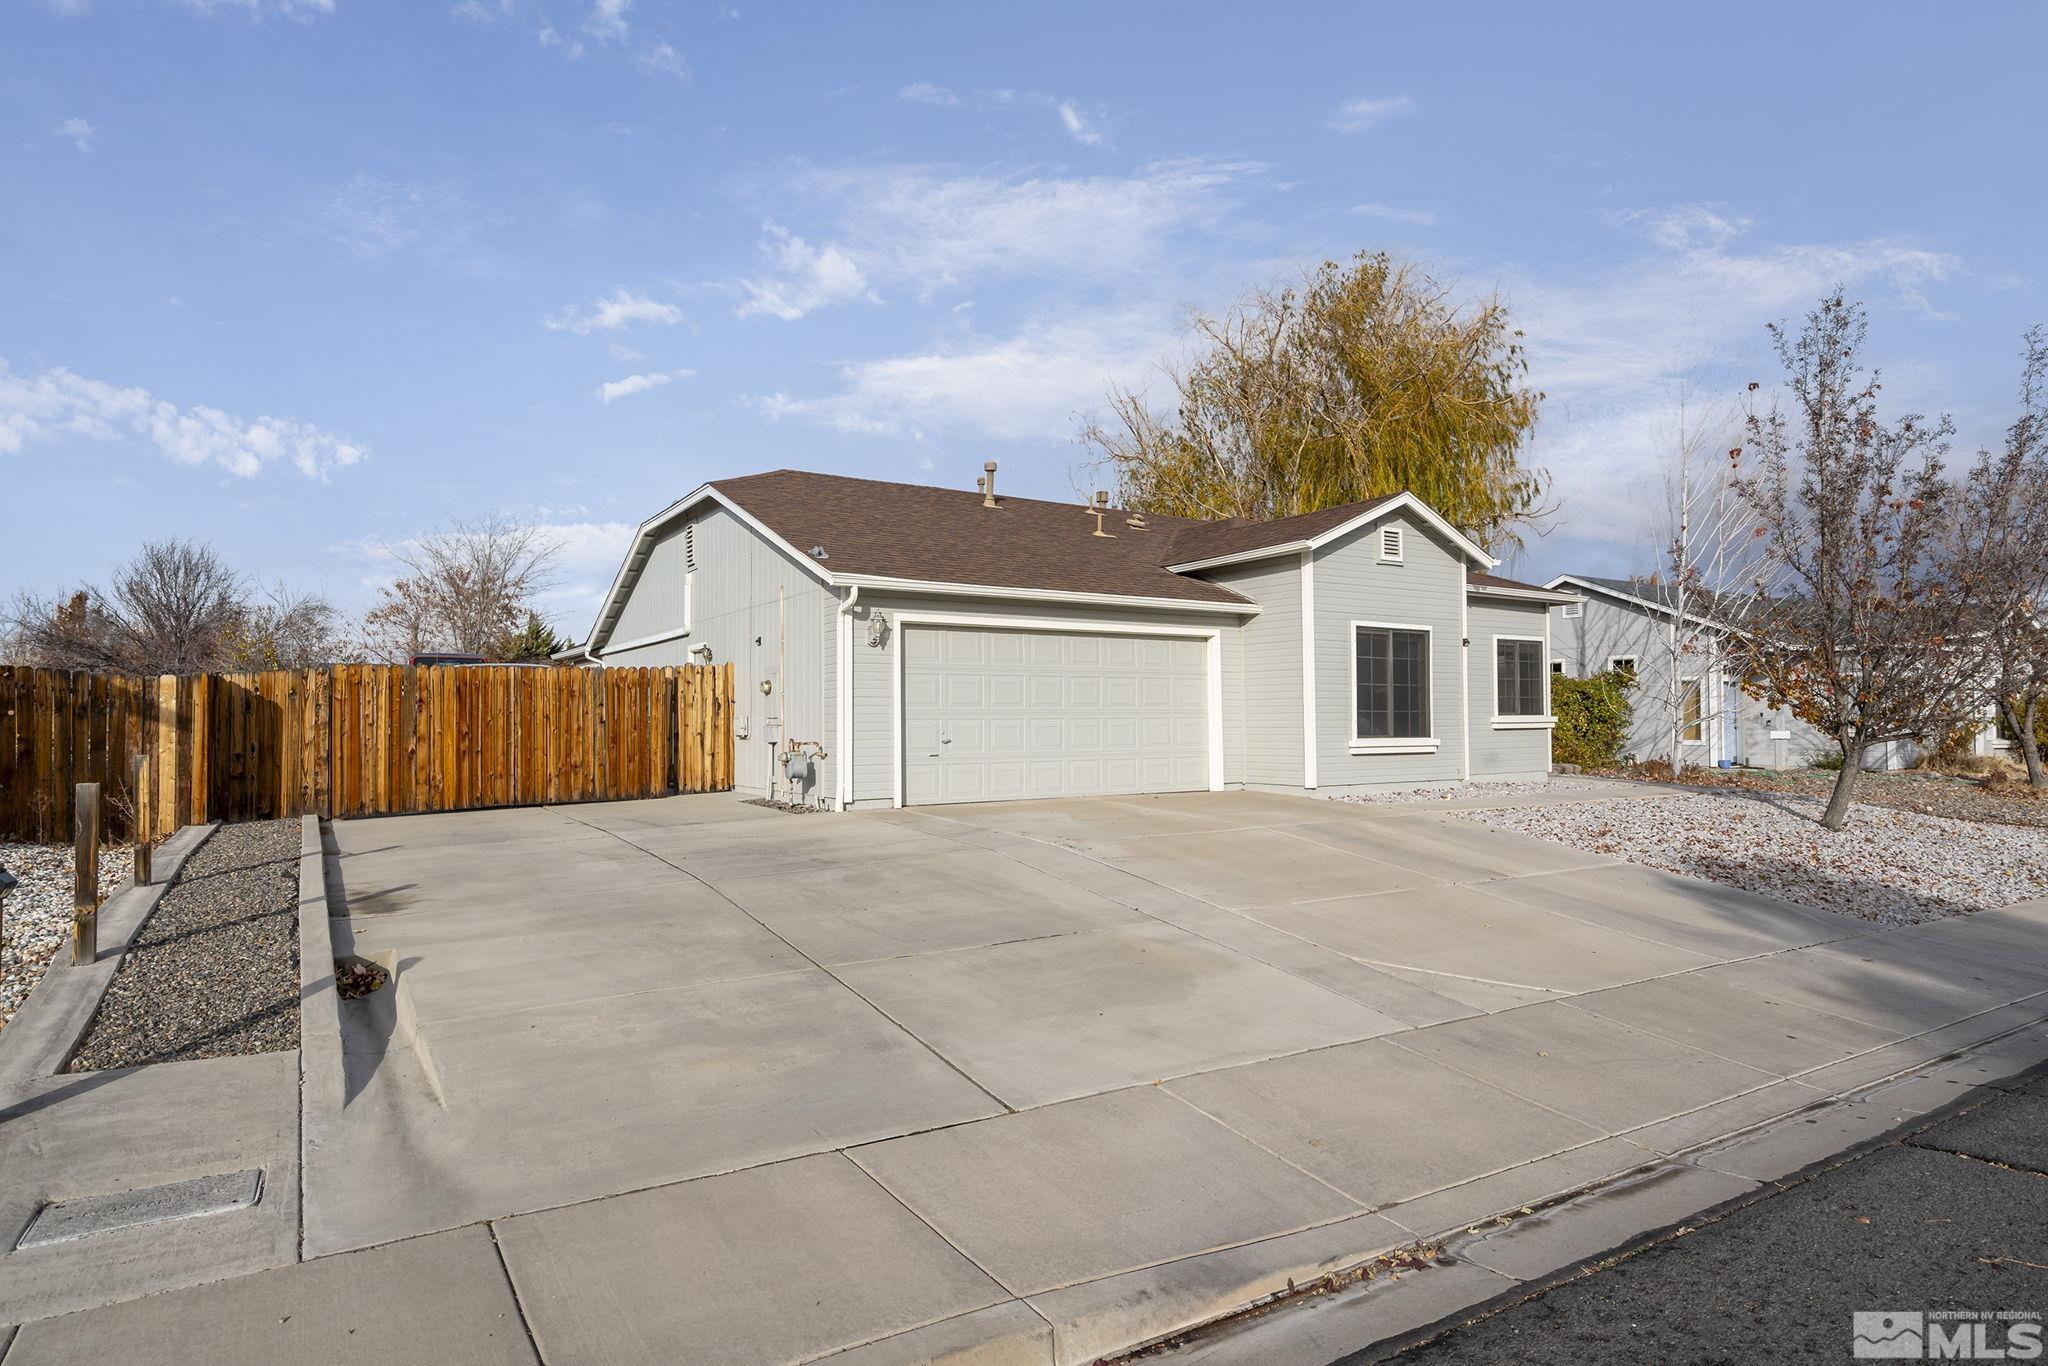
<point>1213,540</point>
<point>911,531</point>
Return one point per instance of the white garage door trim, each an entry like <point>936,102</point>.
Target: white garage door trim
<point>1211,634</point>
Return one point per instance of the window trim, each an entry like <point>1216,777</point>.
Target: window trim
<point>1400,535</point>
<point>1635,664</point>
<point>1392,744</point>
<point>1542,720</point>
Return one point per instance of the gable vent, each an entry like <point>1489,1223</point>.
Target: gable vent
<point>690,546</point>
<point>1390,543</point>
<point>1575,609</point>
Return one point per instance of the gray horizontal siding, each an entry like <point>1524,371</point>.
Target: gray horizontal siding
<point>1262,736</point>
<point>739,578</point>
<point>1426,588</point>
<point>1502,752</point>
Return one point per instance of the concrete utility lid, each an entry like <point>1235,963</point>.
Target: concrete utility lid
<point>81,1218</point>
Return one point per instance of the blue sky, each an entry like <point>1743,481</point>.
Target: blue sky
<point>306,277</point>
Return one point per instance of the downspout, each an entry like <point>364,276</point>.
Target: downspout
<point>843,711</point>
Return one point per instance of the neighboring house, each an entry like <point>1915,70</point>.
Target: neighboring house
<point>1630,624</point>
<point>945,646</point>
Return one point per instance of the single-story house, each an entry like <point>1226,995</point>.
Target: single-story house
<point>928,645</point>
<point>1630,624</point>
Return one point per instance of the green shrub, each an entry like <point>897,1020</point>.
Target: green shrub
<point>1829,758</point>
<point>1592,718</point>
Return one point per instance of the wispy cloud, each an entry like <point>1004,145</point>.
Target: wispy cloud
<point>1077,125</point>
<point>257,9</point>
<point>376,218</point>
<point>804,278</point>
<point>77,131</point>
<point>639,384</point>
<point>1027,386</point>
<point>1683,295</point>
<point>607,20</point>
<point>659,59</point>
<point>1420,218</point>
<point>921,92</point>
<point>625,355</point>
<point>933,228</point>
<point>60,403</point>
<point>622,309</point>
<point>1355,116</point>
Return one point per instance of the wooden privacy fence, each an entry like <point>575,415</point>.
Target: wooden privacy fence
<point>356,740</point>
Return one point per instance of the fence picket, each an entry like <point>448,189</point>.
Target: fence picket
<point>355,739</point>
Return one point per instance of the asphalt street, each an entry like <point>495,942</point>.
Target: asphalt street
<point>1947,1221</point>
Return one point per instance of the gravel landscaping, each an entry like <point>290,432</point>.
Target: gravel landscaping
<point>1465,792</point>
<point>214,971</point>
<point>1892,867</point>
<point>1929,794</point>
<point>38,912</point>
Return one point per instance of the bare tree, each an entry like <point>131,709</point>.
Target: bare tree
<point>284,629</point>
<point>466,589</point>
<point>1861,609</point>
<point>175,608</point>
<point>2004,540</point>
<point>1713,561</point>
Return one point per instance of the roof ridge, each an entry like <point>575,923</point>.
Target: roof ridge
<point>948,489</point>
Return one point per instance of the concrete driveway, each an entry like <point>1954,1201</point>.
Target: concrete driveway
<point>1051,1078</point>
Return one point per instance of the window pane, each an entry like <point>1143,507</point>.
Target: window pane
<point>1690,713</point>
<point>1372,684</point>
<point>1411,684</point>
<point>1519,671</point>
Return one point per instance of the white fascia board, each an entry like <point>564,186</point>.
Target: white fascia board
<point>1629,598</point>
<point>643,542</point>
<point>1522,594</point>
<point>1400,502</point>
<point>1264,552</point>
<point>975,590</point>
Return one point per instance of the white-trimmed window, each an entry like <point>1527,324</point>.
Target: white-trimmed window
<point>1390,702</point>
<point>1391,538</point>
<point>1520,686</point>
<point>1622,664</point>
<point>1557,667</point>
<point>1692,721</point>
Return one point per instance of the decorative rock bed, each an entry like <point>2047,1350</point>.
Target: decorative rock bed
<point>37,914</point>
<point>214,972</point>
<point>1892,867</point>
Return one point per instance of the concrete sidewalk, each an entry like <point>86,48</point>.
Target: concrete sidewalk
<point>695,1080</point>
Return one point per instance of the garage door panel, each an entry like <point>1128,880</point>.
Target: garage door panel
<point>991,714</point>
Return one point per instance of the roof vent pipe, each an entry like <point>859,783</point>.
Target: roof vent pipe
<point>987,485</point>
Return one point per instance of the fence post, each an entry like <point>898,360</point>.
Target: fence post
<point>85,858</point>
<point>140,815</point>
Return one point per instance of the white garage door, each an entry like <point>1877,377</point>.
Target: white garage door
<point>992,714</point>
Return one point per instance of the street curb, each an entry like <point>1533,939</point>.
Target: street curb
<point>44,1034</point>
<point>323,1082</point>
<point>1391,1347</point>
